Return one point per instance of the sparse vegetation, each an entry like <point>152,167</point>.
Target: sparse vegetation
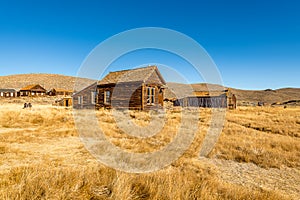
<point>42,157</point>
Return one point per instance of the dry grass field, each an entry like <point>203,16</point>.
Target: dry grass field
<point>256,157</point>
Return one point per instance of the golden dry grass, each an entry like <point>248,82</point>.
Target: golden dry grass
<point>266,136</point>
<point>42,157</point>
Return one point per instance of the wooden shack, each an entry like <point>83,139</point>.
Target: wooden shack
<point>140,88</point>
<point>64,101</point>
<point>32,91</point>
<point>59,92</point>
<point>231,100</point>
<point>8,93</point>
<point>208,99</point>
<point>86,98</point>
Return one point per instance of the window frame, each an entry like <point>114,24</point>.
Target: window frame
<point>107,98</point>
<point>150,95</point>
<point>93,97</point>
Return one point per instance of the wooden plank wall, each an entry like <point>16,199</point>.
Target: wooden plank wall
<point>123,95</point>
<point>86,95</point>
<point>206,102</point>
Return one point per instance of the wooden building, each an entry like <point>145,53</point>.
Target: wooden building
<point>64,101</point>
<point>8,93</point>
<point>59,92</point>
<point>86,98</point>
<point>32,91</point>
<point>140,88</point>
<point>231,100</point>
<point>206,99</point>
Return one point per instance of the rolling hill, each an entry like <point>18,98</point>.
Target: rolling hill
<point>48,81</point>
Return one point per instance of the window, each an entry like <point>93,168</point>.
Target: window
<point>150,95</point>
<point>1,94</point>
<point>107,97</point>
<point>11,94</point>
<point>93,97</point>
<point>80,99</point>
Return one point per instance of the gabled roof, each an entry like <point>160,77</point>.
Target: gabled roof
<point>93,86</point>
<point>31,87</point>
<point>132,75</point>
<point>7,90</point>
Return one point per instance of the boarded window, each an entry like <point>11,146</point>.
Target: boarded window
<point>150,95</point>
<point>107,97</point>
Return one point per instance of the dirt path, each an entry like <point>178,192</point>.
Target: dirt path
<point>285,180</point>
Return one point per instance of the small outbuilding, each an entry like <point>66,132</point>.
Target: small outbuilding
<point>64,101</point>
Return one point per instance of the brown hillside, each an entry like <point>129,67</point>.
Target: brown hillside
<point>47,81</point>
<point>268,96</point>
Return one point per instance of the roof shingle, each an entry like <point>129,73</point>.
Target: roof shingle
<point>132,75</point>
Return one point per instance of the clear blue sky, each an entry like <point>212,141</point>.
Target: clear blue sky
<point>255,44</point>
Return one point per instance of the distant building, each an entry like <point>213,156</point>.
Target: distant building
<point>32,90</point>
<point>8,93</point>
<point>208,99</point>
<point>59,92</point>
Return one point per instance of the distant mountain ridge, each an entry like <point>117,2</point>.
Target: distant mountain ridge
<point>49,81</point>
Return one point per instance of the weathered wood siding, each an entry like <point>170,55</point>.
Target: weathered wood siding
<point>132,95</point>
<point>86,98</point>
<point>123,95</point>
<point>206,102</point>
